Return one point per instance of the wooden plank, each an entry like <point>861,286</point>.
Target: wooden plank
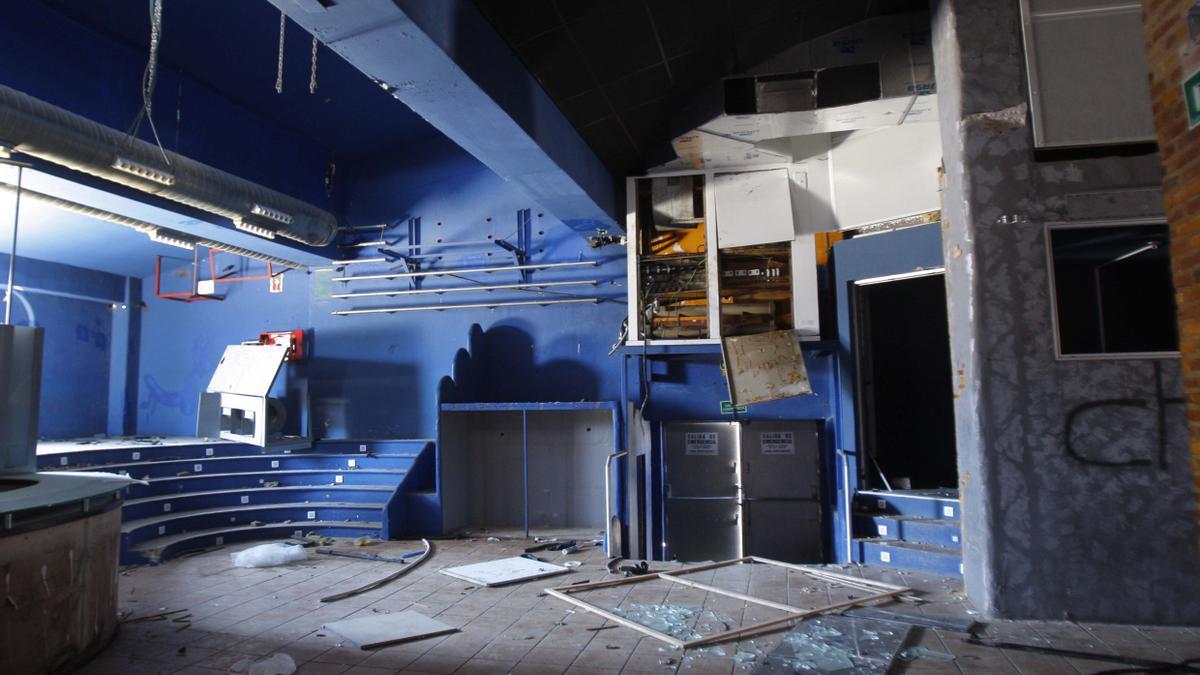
<point>774,624</point>
<point>808,569</point>
<point>732,594</point>
<point>386,580</point>
<point>707,566</point>
<point>607,583</point>
<point>671,640</point>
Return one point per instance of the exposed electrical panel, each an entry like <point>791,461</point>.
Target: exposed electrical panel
<point>672,257</point>
<point>756,289</point>
<point>717,255</point>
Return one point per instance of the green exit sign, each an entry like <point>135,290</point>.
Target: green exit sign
<point>1191,97</point>
<point>727,408</point>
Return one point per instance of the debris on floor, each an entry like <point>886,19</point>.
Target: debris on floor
<point>504,571</point>
<point>268,555</point>
<point>678,621</point>
<point>835,644</point>
<point>381,630</point>
<point>919,652</point>
<point>275,664</point>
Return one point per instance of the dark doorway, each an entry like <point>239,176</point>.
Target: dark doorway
<point>905,395</point>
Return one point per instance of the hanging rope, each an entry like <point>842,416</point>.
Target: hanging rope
<point>312,78</point>
<point>279,62</point>
<point>149,80</point>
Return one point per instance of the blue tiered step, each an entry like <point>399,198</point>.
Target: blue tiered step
<point>206,494</point>
<point>909,529</point>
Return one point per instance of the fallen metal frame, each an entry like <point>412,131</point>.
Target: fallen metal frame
<point>877,590</point>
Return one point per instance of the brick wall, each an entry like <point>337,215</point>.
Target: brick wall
<point>1171,56</point>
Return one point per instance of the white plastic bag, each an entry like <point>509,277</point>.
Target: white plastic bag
<point>268,555</point>
<point>276,664</point>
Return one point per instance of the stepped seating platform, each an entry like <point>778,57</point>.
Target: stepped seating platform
<point>909,529</point>
<point>201,493</point>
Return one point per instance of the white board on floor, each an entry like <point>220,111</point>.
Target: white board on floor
<point>380,630</point>
<point>506,571</point>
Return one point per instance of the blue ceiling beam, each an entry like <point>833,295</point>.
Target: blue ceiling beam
<point>447,63</point>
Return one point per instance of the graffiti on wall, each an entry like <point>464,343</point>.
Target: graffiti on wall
<point>1157,405</point>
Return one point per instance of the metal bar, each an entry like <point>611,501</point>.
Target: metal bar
<point>846,515</point>
<point>463,289</point>
<point>388,579</point>
<point>489,305</point>
<point>608,498</point>
<point>473,270</point>
<point>1087,11</point>
<point>367,556</point>
<point>62,294</point>
<point>12,254</point>
<point>366,228</point>
<point>359,261</point>
<point>525,464</point>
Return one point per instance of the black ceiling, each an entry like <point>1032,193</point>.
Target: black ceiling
<point>618,69</point>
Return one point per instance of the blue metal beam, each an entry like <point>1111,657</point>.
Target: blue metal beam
<point>443,60</point>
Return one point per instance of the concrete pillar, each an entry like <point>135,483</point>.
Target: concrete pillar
<point>1046,536</point>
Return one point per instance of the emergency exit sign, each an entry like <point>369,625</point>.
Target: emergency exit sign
<point>727,408</point>
<point>1191,97</point>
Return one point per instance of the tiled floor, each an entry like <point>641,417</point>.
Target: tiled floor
<point>238,613</point>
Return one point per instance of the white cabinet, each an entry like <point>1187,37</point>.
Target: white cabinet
<point>715,254</point>
<point>753,207</point>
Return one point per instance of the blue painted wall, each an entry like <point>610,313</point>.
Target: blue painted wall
<point>50,56</point>
<point>78,341</point>
<point>379,375</point>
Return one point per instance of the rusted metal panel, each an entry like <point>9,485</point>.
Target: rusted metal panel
<point>765,367</point>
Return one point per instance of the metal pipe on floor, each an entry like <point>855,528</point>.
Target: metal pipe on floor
<point>608,462</point>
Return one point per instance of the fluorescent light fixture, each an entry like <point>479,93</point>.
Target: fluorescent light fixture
<point>143,171</point>
<point>171,239</point>
<point>260,230</point>
<point>5,151</point>
<point>271,214</point>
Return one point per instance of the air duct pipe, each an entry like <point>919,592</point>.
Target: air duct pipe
<point>41,130</point>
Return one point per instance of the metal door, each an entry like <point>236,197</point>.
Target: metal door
<point>701,459</point>
<point>703,529</point>
<point>703,512</point>
<point>783,529</point>
<point>779,460</point>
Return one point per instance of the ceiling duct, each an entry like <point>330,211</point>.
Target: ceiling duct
<point>38,129</point>
<point>873,74</point>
